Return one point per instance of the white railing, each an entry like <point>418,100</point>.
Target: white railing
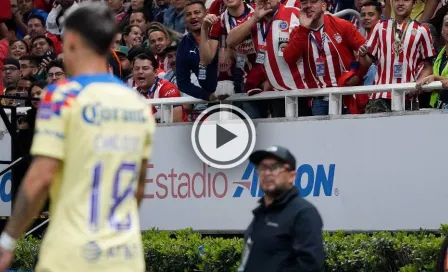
<point>334,94</point>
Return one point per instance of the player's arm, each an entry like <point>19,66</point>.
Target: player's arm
<point>208,47</point>
<point>48,150</point>
<point>141,182</point>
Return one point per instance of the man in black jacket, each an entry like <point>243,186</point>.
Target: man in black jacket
<point>286,232</point>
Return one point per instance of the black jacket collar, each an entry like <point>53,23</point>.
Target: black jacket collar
<point>280,201</point>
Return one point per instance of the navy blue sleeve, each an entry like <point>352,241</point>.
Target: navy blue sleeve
<point>183,74</point>
<point>308,242</point>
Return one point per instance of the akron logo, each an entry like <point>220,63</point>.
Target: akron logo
<point>283,25</point>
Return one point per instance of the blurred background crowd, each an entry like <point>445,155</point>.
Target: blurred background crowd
<point>212,49</point>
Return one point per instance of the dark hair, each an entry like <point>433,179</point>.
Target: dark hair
<point>84,21</point>
<point>143,12</point>
<point>40,83</point>
<point>23,42</point>
<point>32,59</point>
<point>193,2</point>
<point>38,17</point>
<point>10,88</point>
<point>55,63</point>
<point>128,29</point>
<point>28,78</point>
<point>49,41</point>
<point>149,57</point>
<point>11,24</point>
<point>377,5</point>
<point>126,32</point>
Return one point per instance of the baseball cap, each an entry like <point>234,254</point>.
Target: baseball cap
<point>278,152</point>
<point>11,61</point>
<point>122,50</point>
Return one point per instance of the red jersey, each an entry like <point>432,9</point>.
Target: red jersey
<point>291,3</point>
<point>327,52</point>
<point>399,62</point>
<point>56,43</point>
<point>271,37</point>
<point>217,7</point>
<point>162,89</point>
<point>4,51</point>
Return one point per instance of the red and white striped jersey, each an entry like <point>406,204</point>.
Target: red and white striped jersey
<point>416,46</point>
<point>291,3</point>
<point>281,75</point>
<point>327,52</point>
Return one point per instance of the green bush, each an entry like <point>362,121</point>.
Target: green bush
<point>185,250</point>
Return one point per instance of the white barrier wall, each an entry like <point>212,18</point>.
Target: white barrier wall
<point>385,173</point>
<point>371,173</point>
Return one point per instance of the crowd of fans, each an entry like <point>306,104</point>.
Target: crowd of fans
<point>212,49</point>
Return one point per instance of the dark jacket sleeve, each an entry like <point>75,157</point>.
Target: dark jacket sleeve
<point>183,74</point>
<point>308,242</point>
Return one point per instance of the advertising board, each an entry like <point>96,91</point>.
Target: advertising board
<point>371,173</point>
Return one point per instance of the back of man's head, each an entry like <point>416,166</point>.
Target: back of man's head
<point>95,23</point>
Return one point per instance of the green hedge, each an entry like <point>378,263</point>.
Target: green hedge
<point>185,250</point>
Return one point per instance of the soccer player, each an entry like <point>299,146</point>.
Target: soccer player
<point>93,134</point>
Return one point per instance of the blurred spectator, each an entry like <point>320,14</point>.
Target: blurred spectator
<point>36,27</point>
<point>134,52</point>
<point>10,71</point>
<point>11,91</point>
<point>117,40</point>
<point>55,71</point>
<point>122,53</point>
<point>370,15</point>
<point>158,12</point>
<point>399,46</point>
<point>327,45</point>
<point>439,99</point>
<point>4,50</point>
<point>117,7</point>
<point>158,40</point>
<point>139,19</point>
<point>132,36</point>
<point>35,91</point>
<point>151,86</point>
<point>41,46</point>
<point>270,27</point>
<point>24,85</point>
<point>18,49</point>
<point>187,58</point>
<point>170,62</point>
<point>55,19</point>
<point>422,10</point>
<point>145,5</point>
<point>173,16</point>
<point>25,10</point>
<point>29,66</point>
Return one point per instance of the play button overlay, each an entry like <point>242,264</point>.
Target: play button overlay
<point>223,136</point>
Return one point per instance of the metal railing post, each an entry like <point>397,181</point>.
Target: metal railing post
<point>398,100</point>
<point>334,104</point>
<point>167,113</point>
<point>291,106</point>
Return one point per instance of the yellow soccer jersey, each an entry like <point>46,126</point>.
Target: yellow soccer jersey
<point>100,130</point>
